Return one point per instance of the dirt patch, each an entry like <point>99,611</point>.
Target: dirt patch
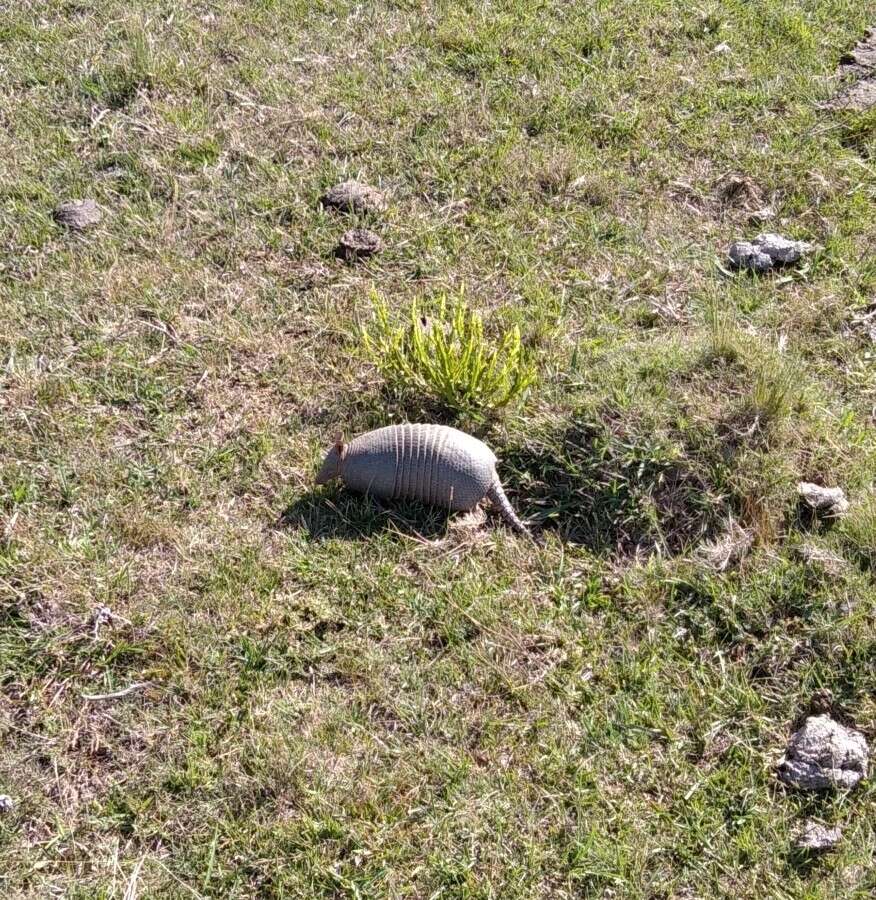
<point>78,215</point>
<point>358,243</point>
<point>354,197</point>
<point>858,69</point>
<point>738,192</point>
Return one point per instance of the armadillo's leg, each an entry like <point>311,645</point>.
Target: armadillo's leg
<point>501,502</point>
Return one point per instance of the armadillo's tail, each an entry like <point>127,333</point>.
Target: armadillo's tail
<point>497,495</point>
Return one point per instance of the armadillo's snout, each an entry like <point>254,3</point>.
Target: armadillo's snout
<point>330,467</point>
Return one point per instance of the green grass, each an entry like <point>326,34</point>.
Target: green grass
<point>347,700</point>
<point>445,360</point>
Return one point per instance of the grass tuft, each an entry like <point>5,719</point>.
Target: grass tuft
<point>446,360</point>
<point>724,341</point>
<point>776,391</point>
<point>610,483</point>
<point>115,85</point>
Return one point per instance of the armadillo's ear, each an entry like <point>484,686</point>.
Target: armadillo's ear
<point>339,444</point>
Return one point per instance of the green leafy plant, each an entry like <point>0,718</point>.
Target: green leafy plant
<point>447,360</point>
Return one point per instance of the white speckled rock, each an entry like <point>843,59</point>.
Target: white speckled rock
<point>818,838</point>
<point>355,197</point>
<point>828,501</point>
<point>358,243</point>
<point>857,71</point>
<point>744,255</point>
<point>781,250</point>
<point>767,251</point>
<point>824,754</point>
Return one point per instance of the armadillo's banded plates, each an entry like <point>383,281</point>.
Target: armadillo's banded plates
<point>432,463</point>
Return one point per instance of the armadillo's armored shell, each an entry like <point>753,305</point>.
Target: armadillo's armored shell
<point>432,463</point>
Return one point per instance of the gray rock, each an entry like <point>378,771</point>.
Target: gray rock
<point>827,501</point>
<point>863,55</point>
<point>781,250</point>
<point>358,243</point>
<point>767,251</point>
<point>78,214</point>
<point>860,96</point>
<point>355,197</point>
<point>7,804</point>
<point>865,324</point>
<point>824,754</point>
<point>744,255</point>
<point>101,615</point>
<point>818,838</point>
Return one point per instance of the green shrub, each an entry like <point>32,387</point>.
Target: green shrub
<point>446,360</point>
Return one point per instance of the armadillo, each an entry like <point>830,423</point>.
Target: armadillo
<point>435,464</point>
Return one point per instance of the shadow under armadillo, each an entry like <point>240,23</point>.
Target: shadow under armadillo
<point>338,514</point>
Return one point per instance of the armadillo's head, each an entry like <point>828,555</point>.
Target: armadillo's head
<point>331,466</point>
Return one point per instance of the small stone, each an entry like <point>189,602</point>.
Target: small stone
<point>830,502</point>
<point>7,804</point>
<point>78,214</point>
<point>865,324</point>
<point>744,255</point>
<point>781,250</point>
<point>101,614</point>
<point>824,754</point>
<point>859,96</point>
<point>863,54</point>
<point>767,251</point>
<point>355,197</point>
<point>818,838</point>
<point>358,243</point>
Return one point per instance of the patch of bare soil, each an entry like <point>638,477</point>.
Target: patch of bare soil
<point>858,70</point>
